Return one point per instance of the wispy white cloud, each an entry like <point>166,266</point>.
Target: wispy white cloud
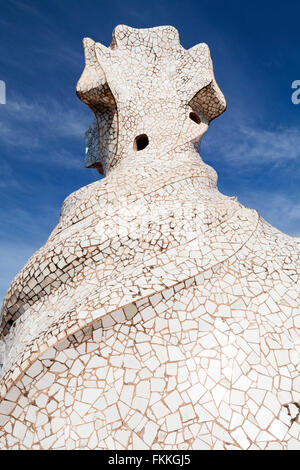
<point>13,136</point>
<point>242,145</point>
<point>24,6</point>
<point>54,116</point>
<point>279,209</point>
<point>45,127</point>
<point>25,220</point>
<point>61,53</point>
<point>7,177</point>
<point>246,152</point>
<point>66,159</point>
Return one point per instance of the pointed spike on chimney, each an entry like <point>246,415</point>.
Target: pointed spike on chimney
<point>92,76</point>
<point>89,49</point>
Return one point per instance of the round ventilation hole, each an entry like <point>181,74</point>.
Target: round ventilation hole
<point>194,117</point>
<point>140,142</point>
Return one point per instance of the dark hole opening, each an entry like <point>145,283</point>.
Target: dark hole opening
<point>194,117</point>
<point>140,142</point>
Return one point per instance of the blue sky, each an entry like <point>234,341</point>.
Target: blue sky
<point>254,146</point>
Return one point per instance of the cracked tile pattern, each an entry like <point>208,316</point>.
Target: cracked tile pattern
<point>160,314</point>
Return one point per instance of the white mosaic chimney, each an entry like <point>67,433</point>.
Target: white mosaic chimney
<point>160,314</point>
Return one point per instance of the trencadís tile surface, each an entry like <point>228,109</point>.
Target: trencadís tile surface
<point>160,314</point>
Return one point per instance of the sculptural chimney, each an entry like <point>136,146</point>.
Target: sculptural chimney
<point>160,314</point>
